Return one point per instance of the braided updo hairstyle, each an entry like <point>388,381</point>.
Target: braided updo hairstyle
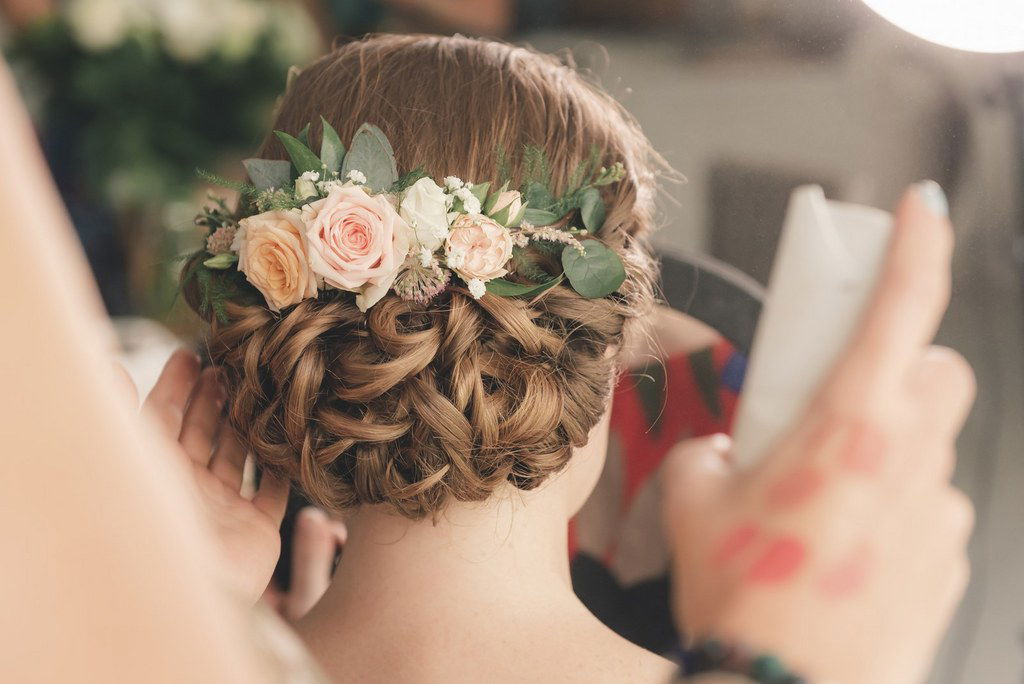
<point>414,405</point>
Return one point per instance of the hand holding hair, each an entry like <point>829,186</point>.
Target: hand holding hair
<point>843,552</point>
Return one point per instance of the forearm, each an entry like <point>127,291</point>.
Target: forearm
<point>111,577</point>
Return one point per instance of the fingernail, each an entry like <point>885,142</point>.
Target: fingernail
<point>932,195</point>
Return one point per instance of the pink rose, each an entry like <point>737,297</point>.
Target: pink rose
<point>272,255</point>
<point>356,242</point>
<point>478,247</point>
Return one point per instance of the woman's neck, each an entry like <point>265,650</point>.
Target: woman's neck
<point>515,540</point>
<point>481,571</point>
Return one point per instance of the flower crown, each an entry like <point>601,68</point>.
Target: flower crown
<point>346,220</point>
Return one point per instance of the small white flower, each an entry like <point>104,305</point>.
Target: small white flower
<point>325,187</point>
<point>453,183</point>
<point>310,176</point>
<point>476,287</point>
<point>426,257</point>
<point>357,177</point>
<point>455,258</point>
<point>470,203</point>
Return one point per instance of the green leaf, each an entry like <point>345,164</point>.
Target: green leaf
<point>303,158</point>
<point>372,155</point>
<point>592,209</point>
<point>268,173</point>
<point>595,273</point>
<point>506,288</point>
<point>332,151</point>
<point>304,135</point>
<point>221,261</point>
<point>539,217</point>
<point>538,196</point>
<point>479,190</point>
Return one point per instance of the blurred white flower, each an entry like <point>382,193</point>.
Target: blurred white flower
<point>100,24</point>
<point>192,29</point>
<point>294,38</point>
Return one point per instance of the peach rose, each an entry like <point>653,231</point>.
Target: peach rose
<point>478,247</point>
<point>272,255</point>
<point>356,242</point>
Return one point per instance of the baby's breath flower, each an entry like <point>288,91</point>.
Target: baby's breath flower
<point>326,186</point>
<point>477,288</point>
<point>470,203</point>
<point>426,257</point>
<point>453,183</point>
<point>312,176</point>
<point>219,241</point>
<point>357,177</point>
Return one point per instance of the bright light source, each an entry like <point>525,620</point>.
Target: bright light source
<point>976,25</point>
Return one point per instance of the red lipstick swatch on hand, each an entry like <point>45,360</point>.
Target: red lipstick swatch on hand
<point>779,561</point>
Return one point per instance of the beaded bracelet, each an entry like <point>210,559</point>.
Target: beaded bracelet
<point>712,655</point>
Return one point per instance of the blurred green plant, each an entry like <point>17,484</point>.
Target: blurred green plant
<point>131,96</point>
<point>143,107</point>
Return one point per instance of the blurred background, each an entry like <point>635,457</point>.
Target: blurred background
<point>745,98</point>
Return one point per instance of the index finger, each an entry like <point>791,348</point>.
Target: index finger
<point>909,300</point>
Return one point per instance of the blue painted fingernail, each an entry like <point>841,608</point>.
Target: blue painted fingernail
<point>931,194</point>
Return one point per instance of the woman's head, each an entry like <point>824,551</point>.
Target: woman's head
<point>415,405</point>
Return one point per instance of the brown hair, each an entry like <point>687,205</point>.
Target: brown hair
<point>413,405</point>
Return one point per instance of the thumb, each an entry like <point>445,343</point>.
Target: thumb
<point>694,476</point>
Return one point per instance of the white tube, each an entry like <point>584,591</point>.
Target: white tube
<point>828,259</point>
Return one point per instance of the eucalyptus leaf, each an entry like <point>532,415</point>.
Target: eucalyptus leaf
<point>268,173</point>
<point>221,261</point>
<point>539,217</point>
<point>595,273</point>
<point>479,191</point>
<point>506,288</point>
<point>371,154</point>
<point>303,158</point>
<point>592,209</point>
<point>538,196</point>
<point>332,151</point>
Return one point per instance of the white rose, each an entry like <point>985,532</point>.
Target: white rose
<point>424,208</point>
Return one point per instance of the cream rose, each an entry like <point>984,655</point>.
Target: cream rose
<point>424,207</point>
<point>511,199</point>
<point>478,247</point>
<point>272,255</point>
<point>356,242</point>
